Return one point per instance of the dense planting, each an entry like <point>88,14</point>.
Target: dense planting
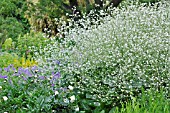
<point>118,64</point>
<point>112,62</point>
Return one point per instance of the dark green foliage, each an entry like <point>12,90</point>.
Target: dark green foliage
<point>7,8</point>
<point>147,1</point>
<point>12,20</point>
<point>10,28</point>
<point>42,15</point>
<point>22,93</point>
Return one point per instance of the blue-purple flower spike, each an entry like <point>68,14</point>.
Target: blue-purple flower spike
<point>3,76</point>
<point>7,69</point>
<point>56,75</point>
<point>28,73</point>
<point>42,77</point>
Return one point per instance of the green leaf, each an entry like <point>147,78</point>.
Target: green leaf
<point>82,111</point>
<point>103,111</point>
<point>97,110</point>
<point>112,110</point>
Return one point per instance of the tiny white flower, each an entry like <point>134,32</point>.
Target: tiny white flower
<point>77,109</point>
<point>5,98</point>
<point>0,87</point>
<point>66,100</point>
<point>5,112</point>
<point>72,98</point>
<point>70,87</point>
<point>56,92</point>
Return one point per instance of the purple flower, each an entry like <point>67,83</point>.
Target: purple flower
<point>0,69</point>
<point>7,69</point>
<point>56,75</point>
<point>52,85</point>
<point>34,68</point>
<point>42,77</point>
<point>57,62</point>
<point>3,77</point>
<point>20,70</point>
<point>27,72</point>
<point>16,74</point>
<point>24,78</point>
<point>13,69</point>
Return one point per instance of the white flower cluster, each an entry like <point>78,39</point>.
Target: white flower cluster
<point>128,51</point>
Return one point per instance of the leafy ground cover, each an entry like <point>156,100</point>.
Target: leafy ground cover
<point>118,66</point>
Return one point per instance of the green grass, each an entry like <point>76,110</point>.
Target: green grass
<point>151,102</point>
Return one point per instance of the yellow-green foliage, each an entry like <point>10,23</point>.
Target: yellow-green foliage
<point>6,59</point>
<point>8,44</point>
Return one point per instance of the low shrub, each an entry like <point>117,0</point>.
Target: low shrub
<point>8,44</point>
<point>111,62</point>
<point>31,40</point>
<point>26,45</point>
<point>33,91</point>
<point>11,58</point>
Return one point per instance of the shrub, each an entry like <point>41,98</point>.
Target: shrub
<point>29,40</point>
<point>23,44</point>
<point>6,59</point>
<point>15,9</point>
<point>12,21</point>
<point>7,8</point>
<point>8,44</point>
<point>10,28</point>
<point>113,61</point>
<point>41,15</point>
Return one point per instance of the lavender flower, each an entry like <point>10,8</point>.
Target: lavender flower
<point>7,69</point>
<point>12,67</point>
<point>3,76</point>
<point>56,75</point>
<point>27,72</point>
<point>20,70</point>
<point>35,69</point>
<point>24,78</point>
<point>41,77</point>
<point>52,85</point>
